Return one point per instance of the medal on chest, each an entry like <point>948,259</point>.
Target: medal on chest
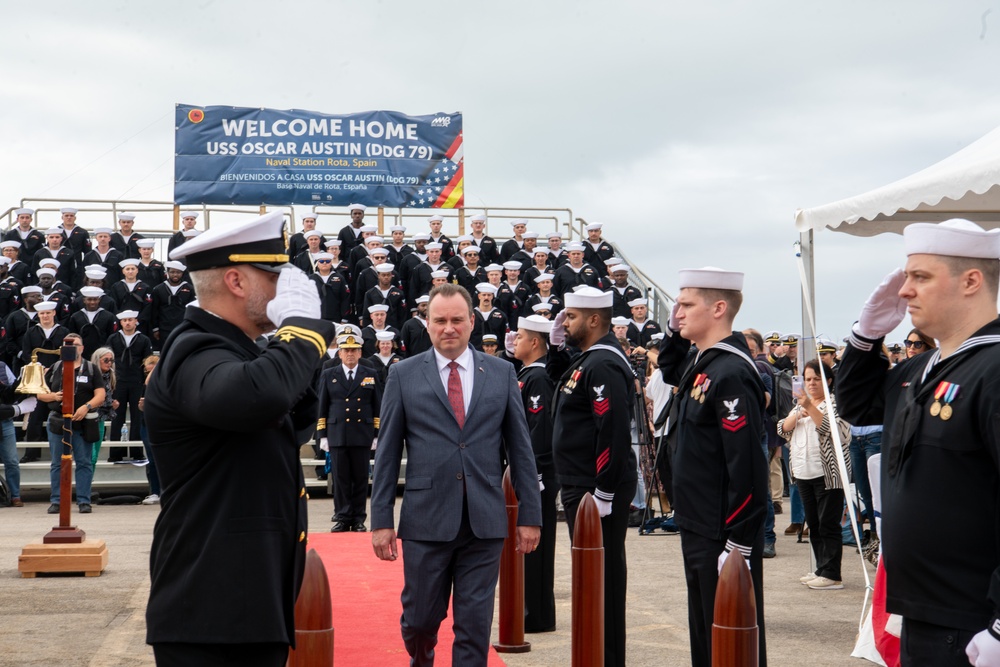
<point>571,382</point>
<point>946,391</point>
<point>700,387</point>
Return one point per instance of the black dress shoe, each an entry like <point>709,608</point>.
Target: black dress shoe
<point>359,528</point>
<point>53,509</point>
<point>341,527</point>
<point>85,508</point>
<point>28,458</point>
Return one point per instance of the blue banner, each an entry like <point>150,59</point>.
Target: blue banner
<point>233,155</point>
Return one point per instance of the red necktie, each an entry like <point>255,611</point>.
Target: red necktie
<point>455,394</point>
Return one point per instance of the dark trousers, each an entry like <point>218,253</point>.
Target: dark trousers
<point>613,529</point>
<point>128,397</point>
<point>823,509</point>
<point>220,655</point>
<point>430,570</point>
<point>701,569</point>
<point>540,569</point>
<point>349,466</point>
<point>928,645</point>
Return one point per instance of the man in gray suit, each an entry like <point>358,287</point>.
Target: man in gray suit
<point>456,409</point>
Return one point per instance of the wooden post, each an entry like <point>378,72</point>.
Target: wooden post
<point>313,618</point>
<point>511,620</point>
<point>381,221</point>
<point>734,630</point>
<point>461,222</point>
<point>588,586</point>
<point>177,217</point>
<point>64,533</point>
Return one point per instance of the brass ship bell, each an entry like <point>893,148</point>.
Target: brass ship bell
<point>32,380</point>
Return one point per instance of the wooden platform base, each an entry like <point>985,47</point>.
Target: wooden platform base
<point>88,558</point>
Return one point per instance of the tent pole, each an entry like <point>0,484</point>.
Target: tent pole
<point>807,347</point>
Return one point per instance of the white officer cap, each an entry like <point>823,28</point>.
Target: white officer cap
<point>494,267</point>
<point>421,237</point>
<point>539,307</point>
<point>710,277</point>
<point>486,288</point>
<point>103,230</point>
<point>24,211</point>
<point>378,308</point>
<point>71,211</point>
<point>518,221</point>
<point>48,261</point>
<point>420,299</point>
<point>620,268</point>
<point>772,337</point>
<point>194,214</point>
<point>45,272</point>
<point>478,217</point>
<point>146,243</point>
<point>53,230</point>
<point>439,274</point>
<point>544,276</point>
<point>31,289</point>
<point>357,207</point>
<point>512,266</point>
<point>126,216</point>
<point>368,229</point>
<point>311,233</point>
<point>531,235</point>
<point>191,233</point>
<point>385,268</point>
<point>619,321</point>
<point>471,249</point>
<point>575,246</point>
<point>91,292</point>
<point>125,314</point>
<point>174,264</point>
<point>437,217</point>
<point>384,335</point>
<point>129,262</point>
<point>397,228</point>
<point>259,242</point>
<point>956,238</point>
<point>636,302</point>
<point>535,323</point>
<point>824,344</point>
<point>349,341</point>
<point>10,244</point>
<point>348,329</point>
<point>45,306</point>
<point>589,297</point>
<point>553,235</point>
<point>791,339</point>
<point>433,246</point>
<point>594,226</point>
<point>489,339</point>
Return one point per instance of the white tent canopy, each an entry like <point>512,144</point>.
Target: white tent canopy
<point>963,185</point>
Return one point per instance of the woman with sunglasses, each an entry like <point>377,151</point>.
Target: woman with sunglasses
<point>917,342</point>
<point>104,360</point>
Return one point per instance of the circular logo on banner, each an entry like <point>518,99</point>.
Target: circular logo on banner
<point>196,115</point>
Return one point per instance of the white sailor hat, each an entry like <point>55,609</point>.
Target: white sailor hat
<point>4,259</point>
<point>518,221</point>
<point>259,242</point>
<point>535,323</point>
<point>439,274</point>
<point>553,235</point>
<point>192,214</point>
<point>531,235</point>
<point>575,246</point>
<point>539,307</point>
<point>190,233</point>
<point>69,210</point>
<point>384,335</point>
<point>471,249</point>
<point>46,272</point>
<point>512,265</point>
<point>368,229</point>
<point>710,277</point>
<point>45,306</point>
<point>544,276</point>
<point>374,239</point>
<point>486,288</point>
<point>52,231</point>
<point>620,268</point>
<point>637,302</point>
<point>126,314</point>
<point>478,217</point>
<point>96,272</point>
<point>49,261</point>
<point>422,237</point>
<point>333,242</point>
<point>619,321</point>
<point>324,255</point>
<point>541,251</point>
<point>31,289</point>
<point>433,246</point>
<point>146,243</point>
<point>309,215</point>
<point>378,251</point>
<point>91,292</point>
<point>385,268</point>
<point>657,337</point>
<point>126,216</point>
<point>397,228</point>
<point>378,308</point>
<point>311,233</point>
<point>10,244</point>
<point>494,267</point>
<point>129,262</point>
<point>437,217</point>
<point>489,339</point>
<point>423,298</point>
<point>174,264</point>
<point>24,211</point>
<point>588,297</point>
<point>956,238</point>
<point>103,230</point>
<point>613,261</point>
<point>594,226</point>
<point>357,207</point>
<point>464,238</point>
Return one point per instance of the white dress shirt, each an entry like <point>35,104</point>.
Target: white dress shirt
<point>464,373</point>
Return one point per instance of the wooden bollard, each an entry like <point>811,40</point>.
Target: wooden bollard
<point>313,618</point>
<point>588,586</point>
<point>511,619</point>
<point>734,629</point>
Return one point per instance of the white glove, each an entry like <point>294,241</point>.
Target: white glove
<point>603,507</point>
<point>983,650</point>
<point>541,486</point>
<point>374,443</point>
<point>673,323</point>
<point>25,406</point>
<point>508,342</point>
<point>722,560</point>
<point>884,309</point>
<point>557,336</point>
<point>295,296</point>
<point>324,444</point>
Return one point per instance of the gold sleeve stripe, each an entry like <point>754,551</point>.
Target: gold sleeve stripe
<point>286,334</point>
<point>376,422</point>
<point>321,424</point>
<point>258,258</point>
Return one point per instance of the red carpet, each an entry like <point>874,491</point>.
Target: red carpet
<point>366,607</point>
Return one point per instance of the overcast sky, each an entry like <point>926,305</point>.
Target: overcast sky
<point>693,130</point>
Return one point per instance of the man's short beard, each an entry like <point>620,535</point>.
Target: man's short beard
<point>572,340</point>
<point>256,305</point>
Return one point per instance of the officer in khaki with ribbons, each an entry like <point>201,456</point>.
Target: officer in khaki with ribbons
<point>226,420</point>
<point>941,441</point>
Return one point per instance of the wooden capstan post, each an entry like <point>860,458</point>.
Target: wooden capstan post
<point>588,586</point>
<point>511,620</point>
<point>734,629</point>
